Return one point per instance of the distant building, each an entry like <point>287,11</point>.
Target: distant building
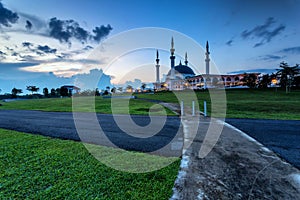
<point>71,89</point>
<point>182,77</point>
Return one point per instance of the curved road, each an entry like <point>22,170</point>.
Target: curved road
<point>61,125</point>
<point>281,136</point>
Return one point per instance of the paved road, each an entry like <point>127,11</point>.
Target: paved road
<point>61,125</point>
<point>281,136</point>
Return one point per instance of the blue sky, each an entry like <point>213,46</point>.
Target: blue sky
<point>243,35</point>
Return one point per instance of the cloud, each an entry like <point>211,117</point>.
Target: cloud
<point>27,44</point>
<point>88,47</point>
<point>7,17</point>
<point>270,57</point>
<point>292,50</point>
<point>64,30</point>
<point>28,25</point>
<point>229,42</point>
<point>46,49</point>
<point>36,22</point>
<point>264,32</point>
<point>101,32</point>
<point>2,55</point>
<point>264,71</point>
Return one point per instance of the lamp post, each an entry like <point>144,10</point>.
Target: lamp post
<point>288,85</point>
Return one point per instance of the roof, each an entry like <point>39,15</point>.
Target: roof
<point>183,69</point>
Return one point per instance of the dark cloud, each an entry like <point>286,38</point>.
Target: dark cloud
<point>293,50</point>
<point>64,30</point>
<point>59,30</point>
<point>8,48</point>
<point>270,57</point>
<point>7,17</point>
<point>46,49</point>
<point>101,32</point>
<point>15,54</point>
<point>28,25</point>
<point>229,42</point>
<point>36,22</point>
<point>27,44</point>
<point>2,55</point>
<point>264,32</point>
<point>87,48</point>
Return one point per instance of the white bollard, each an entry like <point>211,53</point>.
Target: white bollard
<point>205,109</point>
<point>181,107</point>
<point>193,108</point>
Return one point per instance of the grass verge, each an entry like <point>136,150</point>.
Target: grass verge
<point>38,167</point>
<point>241,103</point>
<point>248,103</point>
<point>136,107</point>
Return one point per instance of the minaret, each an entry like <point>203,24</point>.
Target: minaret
<point>157,67</point>
<point>172,50</point>
<point>207,58</point>
<point>186,59</point>
<point>172,57</point>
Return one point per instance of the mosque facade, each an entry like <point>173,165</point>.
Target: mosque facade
<point>181,76</point>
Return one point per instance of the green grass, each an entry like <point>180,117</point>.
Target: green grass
<point>84,104</point>
<point>241,103</point>
<point>38,167</point>
<point>248,103</point>
<point>263,104</point>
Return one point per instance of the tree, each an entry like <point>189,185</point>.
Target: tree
<point>297,81</point>
<point>15,92</point>
<point>53,92</point>
<point>64,91</point>
<point>32,88</point>
<point>143,86</point>
<point>46,92</point>
<point>97,93</point>
<point>250,80</point>
<point>264,81</point>
<point>57,92</point>
<point>113,90</point>
<point>287,74</point>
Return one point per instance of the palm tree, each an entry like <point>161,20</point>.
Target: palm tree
<point>287,74</point>
<point>32,89</point>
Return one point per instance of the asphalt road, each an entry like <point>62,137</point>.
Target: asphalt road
<point>61,125</point>
<point>281,136</point>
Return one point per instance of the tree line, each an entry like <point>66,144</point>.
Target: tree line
<point>286,77</point>
<point>54,92</point>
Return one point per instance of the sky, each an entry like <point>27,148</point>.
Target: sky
<point>50,43</point>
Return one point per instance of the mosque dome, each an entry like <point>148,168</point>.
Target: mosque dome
<point>183,69</point>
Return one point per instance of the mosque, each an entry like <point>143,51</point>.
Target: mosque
<point>182,77</point>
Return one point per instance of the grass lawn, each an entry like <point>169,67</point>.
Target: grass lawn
<point>248,103</point>
<point>102,105</point>
<point>38,167</point>
<point>241,103</point>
